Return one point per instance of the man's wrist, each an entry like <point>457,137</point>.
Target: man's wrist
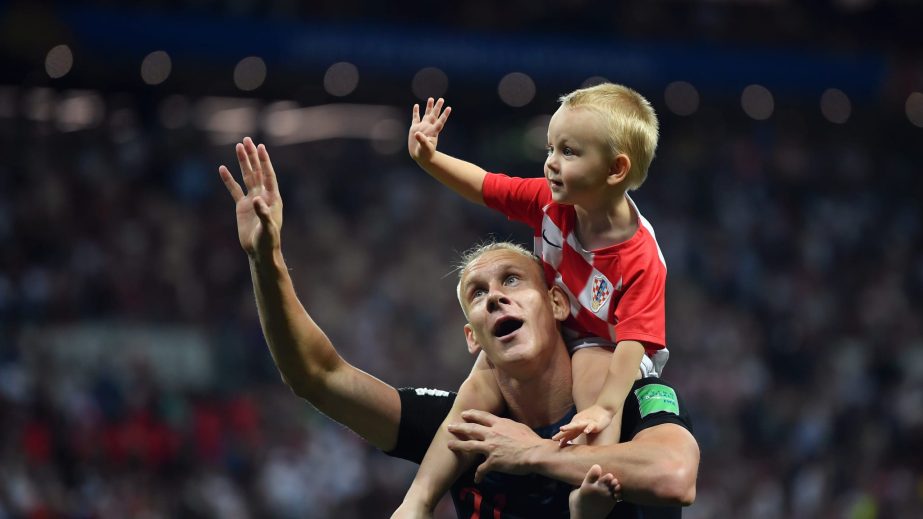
<point>267,261</point>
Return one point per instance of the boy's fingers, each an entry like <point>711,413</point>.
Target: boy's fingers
<point>440,123</point>
<point>415,114</point>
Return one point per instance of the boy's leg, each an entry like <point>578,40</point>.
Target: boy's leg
<point>441,466</point>
<point>590,367</point>
<point>596,495</point>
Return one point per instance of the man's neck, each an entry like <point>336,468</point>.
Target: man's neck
<point>541,400</point>
<point>606,224</point>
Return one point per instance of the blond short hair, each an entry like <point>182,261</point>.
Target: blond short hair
<point>630,121</point>
<point>470,255</point>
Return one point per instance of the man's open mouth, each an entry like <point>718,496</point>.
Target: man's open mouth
<point>506,326</point>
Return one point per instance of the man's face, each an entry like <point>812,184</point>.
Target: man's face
<point>512,315</point>
<point>579,158</point>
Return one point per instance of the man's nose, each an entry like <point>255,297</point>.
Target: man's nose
<point>495,300</point>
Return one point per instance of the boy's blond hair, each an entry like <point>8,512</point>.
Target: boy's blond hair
<point>630,121</point>
<point>479,250</point>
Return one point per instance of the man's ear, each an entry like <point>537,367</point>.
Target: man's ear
<point>618,169</point>
<point>473,347</point>
<point>560,305</point>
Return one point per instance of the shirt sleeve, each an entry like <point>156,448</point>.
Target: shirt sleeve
<point>653,401</point>
<point>641,314</point>
<point>422,412</point>
<point>520,199</point>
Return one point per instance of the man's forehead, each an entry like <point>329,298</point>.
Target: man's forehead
<point>495,261</point>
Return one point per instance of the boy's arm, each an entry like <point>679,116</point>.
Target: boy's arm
<point>462,177</point>
<point>441,466</point>
<point>307,360</point>
<point>623,370</point>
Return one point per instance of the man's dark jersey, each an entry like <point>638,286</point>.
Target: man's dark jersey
<point>503,496</point>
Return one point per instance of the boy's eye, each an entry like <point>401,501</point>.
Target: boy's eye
<point>567,151</point>
<point>549,150</point>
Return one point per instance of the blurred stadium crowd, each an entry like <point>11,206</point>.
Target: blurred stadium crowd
<point>134,381</point>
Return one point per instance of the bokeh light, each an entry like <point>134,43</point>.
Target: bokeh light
<point>516,89</point>
<point>914,109</point>
<point>682,98</point>
<point>757,102</point>
<point>156,67</point>
<point>835,105</point>
<point>429,82</point>
<point>59,61</point>
<point>250,73</point>
<point>341,79</point>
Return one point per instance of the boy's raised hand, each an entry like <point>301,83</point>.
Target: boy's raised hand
<point>591,420</point>
<point>424,131</point>
<point>259,210</point>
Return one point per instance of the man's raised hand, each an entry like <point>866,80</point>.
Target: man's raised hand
<point>424,131</point>
<point>259,210</point>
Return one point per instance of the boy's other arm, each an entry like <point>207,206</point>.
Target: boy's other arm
<point>623,370</point>
<point>462,177</point>
<point>307,360</point>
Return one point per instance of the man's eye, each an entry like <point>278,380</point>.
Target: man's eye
<point>478,293</point>
<point>511,280</point>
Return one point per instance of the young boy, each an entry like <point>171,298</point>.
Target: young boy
<point>593,243</point>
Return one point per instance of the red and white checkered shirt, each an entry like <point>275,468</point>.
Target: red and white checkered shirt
<point>616,292</point>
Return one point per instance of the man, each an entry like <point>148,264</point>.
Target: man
<point>514,318</point>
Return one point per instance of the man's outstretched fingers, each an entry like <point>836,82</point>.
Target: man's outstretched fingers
<point>269,174</point>
<point>253,157</point>
<point>232,186</point>
<point>246,171</point>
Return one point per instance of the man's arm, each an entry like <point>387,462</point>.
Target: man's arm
<point>658,466</point>
<point>462,177</point>
<point>306,358</point>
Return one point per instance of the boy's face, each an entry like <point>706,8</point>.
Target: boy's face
<point>512,315</point>
<point>579,158</point>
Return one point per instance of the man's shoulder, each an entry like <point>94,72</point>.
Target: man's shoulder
<point>653,401</point>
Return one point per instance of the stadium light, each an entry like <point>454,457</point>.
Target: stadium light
<point>250,73</point>
<point>914,109</point>
<point>835,105</point>
<point>59,61</point>
<point>682,98</point>
<point>516,89</point>
<point>156,67</point>
<point>757,102</point>
<point>341,79</point>
<point>429,82</point>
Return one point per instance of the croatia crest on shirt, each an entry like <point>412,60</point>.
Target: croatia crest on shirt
<point>602,289</point>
